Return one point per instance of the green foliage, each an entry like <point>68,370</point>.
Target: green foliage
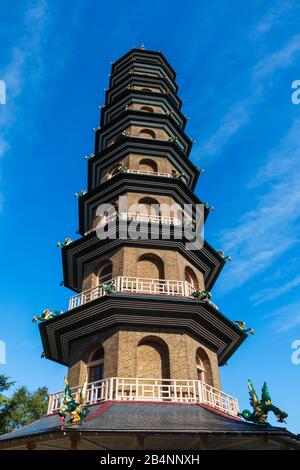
<point>4,385</point>
<point>22,407</point>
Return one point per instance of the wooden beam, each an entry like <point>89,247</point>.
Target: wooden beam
<point>235,443</point>
<point>30,445</point>
<point>263,440</point>
<point>199,442</point>
<point>98,446</point>
<point>51,446</point>
<point>75,440</point>
<point>291,444</point>
<point>140,438</point>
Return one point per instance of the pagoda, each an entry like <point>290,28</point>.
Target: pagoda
<point>141,335</point>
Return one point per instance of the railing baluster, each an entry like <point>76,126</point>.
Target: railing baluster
<point>111,384</point>
<point>200,391</point>
<point>50,404</point>
<point>137,285</point>
<point>116,388</point>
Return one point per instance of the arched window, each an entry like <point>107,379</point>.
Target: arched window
<point>146,164</point>
<point>150,204</point>
<point>150,266</point>
<point>153,358</point>
<point>105,273</point>
<point>148,109</point>
<point>96,365</point>
<point>147,133</point>
<point>191,277</point>
<point>203,367</point>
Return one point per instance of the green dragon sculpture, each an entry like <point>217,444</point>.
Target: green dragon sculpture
<point>81,193</point>
<point>242,326</point>
<point>205,296</point>
<point>73,412</point>
<point>47,314</point>
<point>208,207</point>
<point>109,288</point>
<point>202,294</point>
<point>262,407</point>
<point>225,258</point>
<point>67,242</point>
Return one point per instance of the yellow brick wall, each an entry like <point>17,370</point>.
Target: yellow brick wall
<point>137,107</point>
<point>106,174</point>
<point>153,89</point>
<point>146,353</point>
<point>125,263</point>
<point>135,162</point>
<point>81,351</point>
<point>137,131</point>
<point>160,134</point>
<point>140,202</point>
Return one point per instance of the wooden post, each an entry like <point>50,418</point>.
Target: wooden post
<point>31,445</point>
<point>75,440</point>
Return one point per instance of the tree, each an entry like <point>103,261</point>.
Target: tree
<point>4,385</point>
<point>22,407</point>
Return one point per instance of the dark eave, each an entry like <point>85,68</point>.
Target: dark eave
<point>130,144</point>
<point>133,95</point>
<point>121,62</point>
<point>124,120</point>
<point>112,94</point>
<point>90,248</point>
<point>138,68</point>
<point>122,183</point>
<point>199,319</point>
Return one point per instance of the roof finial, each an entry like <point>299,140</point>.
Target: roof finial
<point>142,47</point>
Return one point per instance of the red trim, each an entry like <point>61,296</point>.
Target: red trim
<point>103,407</point>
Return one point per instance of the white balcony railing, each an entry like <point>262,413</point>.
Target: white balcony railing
<point>135,285</point>
<point>154,390</point>
<point>151,173</point>
<point>149,218</point>
<point>156,219</point>
<point>144,172</point>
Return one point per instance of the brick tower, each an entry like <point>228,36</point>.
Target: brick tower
<point>147,324</point>
<point>141,329</point>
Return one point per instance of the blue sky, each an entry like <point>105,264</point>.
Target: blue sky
<point>235,63</point>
